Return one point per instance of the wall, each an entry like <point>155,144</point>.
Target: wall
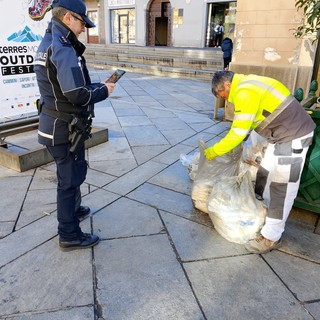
<point>191,32</point>
<point>264,40</point>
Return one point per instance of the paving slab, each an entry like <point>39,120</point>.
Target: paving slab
<point>173,154</point>
<point>37,204</point>
<point>218,128</point>
<point>98,199</point>
<point>242,287</point>
<point>135,178</point>
<point>115,149</point>
<point>176,136</point>
<point>80,313</point>
<point>142,98</point>
<point>167,200</point>
<point>98,178</point>
<point>114,168</point>
<point>126,218</point>
<point>46,279</point>
<point>174,177</point>
<point>128,111</point>
<point>197,241</point>
<point>314,309</point>
<point>43,179</point>
<point>298,274</point>
<point>191,118</point>
<point>157,113</point>
<point>6,227</point>
<point>194,140</point>
<point>19,242</point>
<point>175,104</point>
<point>171,123</point>
<point>301,242</point>
<point>144,136</point>
<point>149,285</point>
<point>10,209</point>
<point>145,153</point>
<point>134,121</point>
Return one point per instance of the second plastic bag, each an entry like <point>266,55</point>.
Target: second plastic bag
<point>234,210</point>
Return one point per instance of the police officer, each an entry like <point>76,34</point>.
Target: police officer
<point>67,106</point>
<point>266,105</point>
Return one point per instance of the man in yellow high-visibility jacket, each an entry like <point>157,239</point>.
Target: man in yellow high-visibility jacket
<point>266,105</point>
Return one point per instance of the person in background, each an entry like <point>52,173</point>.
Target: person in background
<point>219,30</point>
<point>67,105</point>
<point>266,106</point>
<point>227,48</point>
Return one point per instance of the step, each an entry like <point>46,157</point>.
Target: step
<point>203,64</point>
<point>204,53</point>
<point>153,70</point>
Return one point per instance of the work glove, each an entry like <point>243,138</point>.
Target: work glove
<point>209,153</point>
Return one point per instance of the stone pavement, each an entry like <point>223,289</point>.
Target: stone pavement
<point>159,257</point>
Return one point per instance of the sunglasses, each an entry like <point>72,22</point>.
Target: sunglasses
<point>82,22</point>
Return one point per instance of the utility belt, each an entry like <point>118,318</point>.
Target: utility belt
<point>79,127</point>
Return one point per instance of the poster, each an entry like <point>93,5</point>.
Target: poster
<point>19,41</point>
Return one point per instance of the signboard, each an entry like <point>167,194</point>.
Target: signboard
<point>116,3</point>
<point>19,41</point>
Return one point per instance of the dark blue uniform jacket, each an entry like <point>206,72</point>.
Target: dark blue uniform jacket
<point>64,83</point>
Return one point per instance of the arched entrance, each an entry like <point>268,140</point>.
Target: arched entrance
<point>159,23</point>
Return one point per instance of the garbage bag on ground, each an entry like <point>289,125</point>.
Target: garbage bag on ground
<point>223,188</point>
<point>208,171</point>
<point>191,161</point>
<point>234,210</point>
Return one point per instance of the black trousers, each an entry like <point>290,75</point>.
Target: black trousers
<point>71,173</point>
<point>218,40</point>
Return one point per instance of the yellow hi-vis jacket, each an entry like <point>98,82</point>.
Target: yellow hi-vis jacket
<point>254,98</point>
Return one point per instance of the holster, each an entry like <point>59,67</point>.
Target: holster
<point>80,131</point>
<point>39,106</point>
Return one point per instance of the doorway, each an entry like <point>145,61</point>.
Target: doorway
<point>159,23</point>
<point>161,31</point>
<point>123,28</point>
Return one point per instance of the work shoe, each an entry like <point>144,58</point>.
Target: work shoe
<point>261,245</point>
<point>83,211</point>
<point>85,241</point>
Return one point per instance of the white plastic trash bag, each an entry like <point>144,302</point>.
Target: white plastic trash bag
<point>191,161</point>
<point>209,171</point>
<point>234,210</point>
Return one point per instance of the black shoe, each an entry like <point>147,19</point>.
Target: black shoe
<point>83,211</point>
<point>86,241</point>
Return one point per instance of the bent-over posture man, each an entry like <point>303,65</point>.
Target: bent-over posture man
<point>266,105</point>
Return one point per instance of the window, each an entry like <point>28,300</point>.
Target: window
<point>123,26</point>
<point>93,33</point>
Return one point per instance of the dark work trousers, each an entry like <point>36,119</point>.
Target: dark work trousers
<point>71,173</point>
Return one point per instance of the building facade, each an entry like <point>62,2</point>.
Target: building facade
<point>262,31</point>
<point>174,23</point>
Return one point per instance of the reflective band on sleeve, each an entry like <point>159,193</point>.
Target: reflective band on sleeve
<point>244,116</point>
<point>240,132</point>
<point>49,136</point>
<point>265,86</point>
<point>40,63</point>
